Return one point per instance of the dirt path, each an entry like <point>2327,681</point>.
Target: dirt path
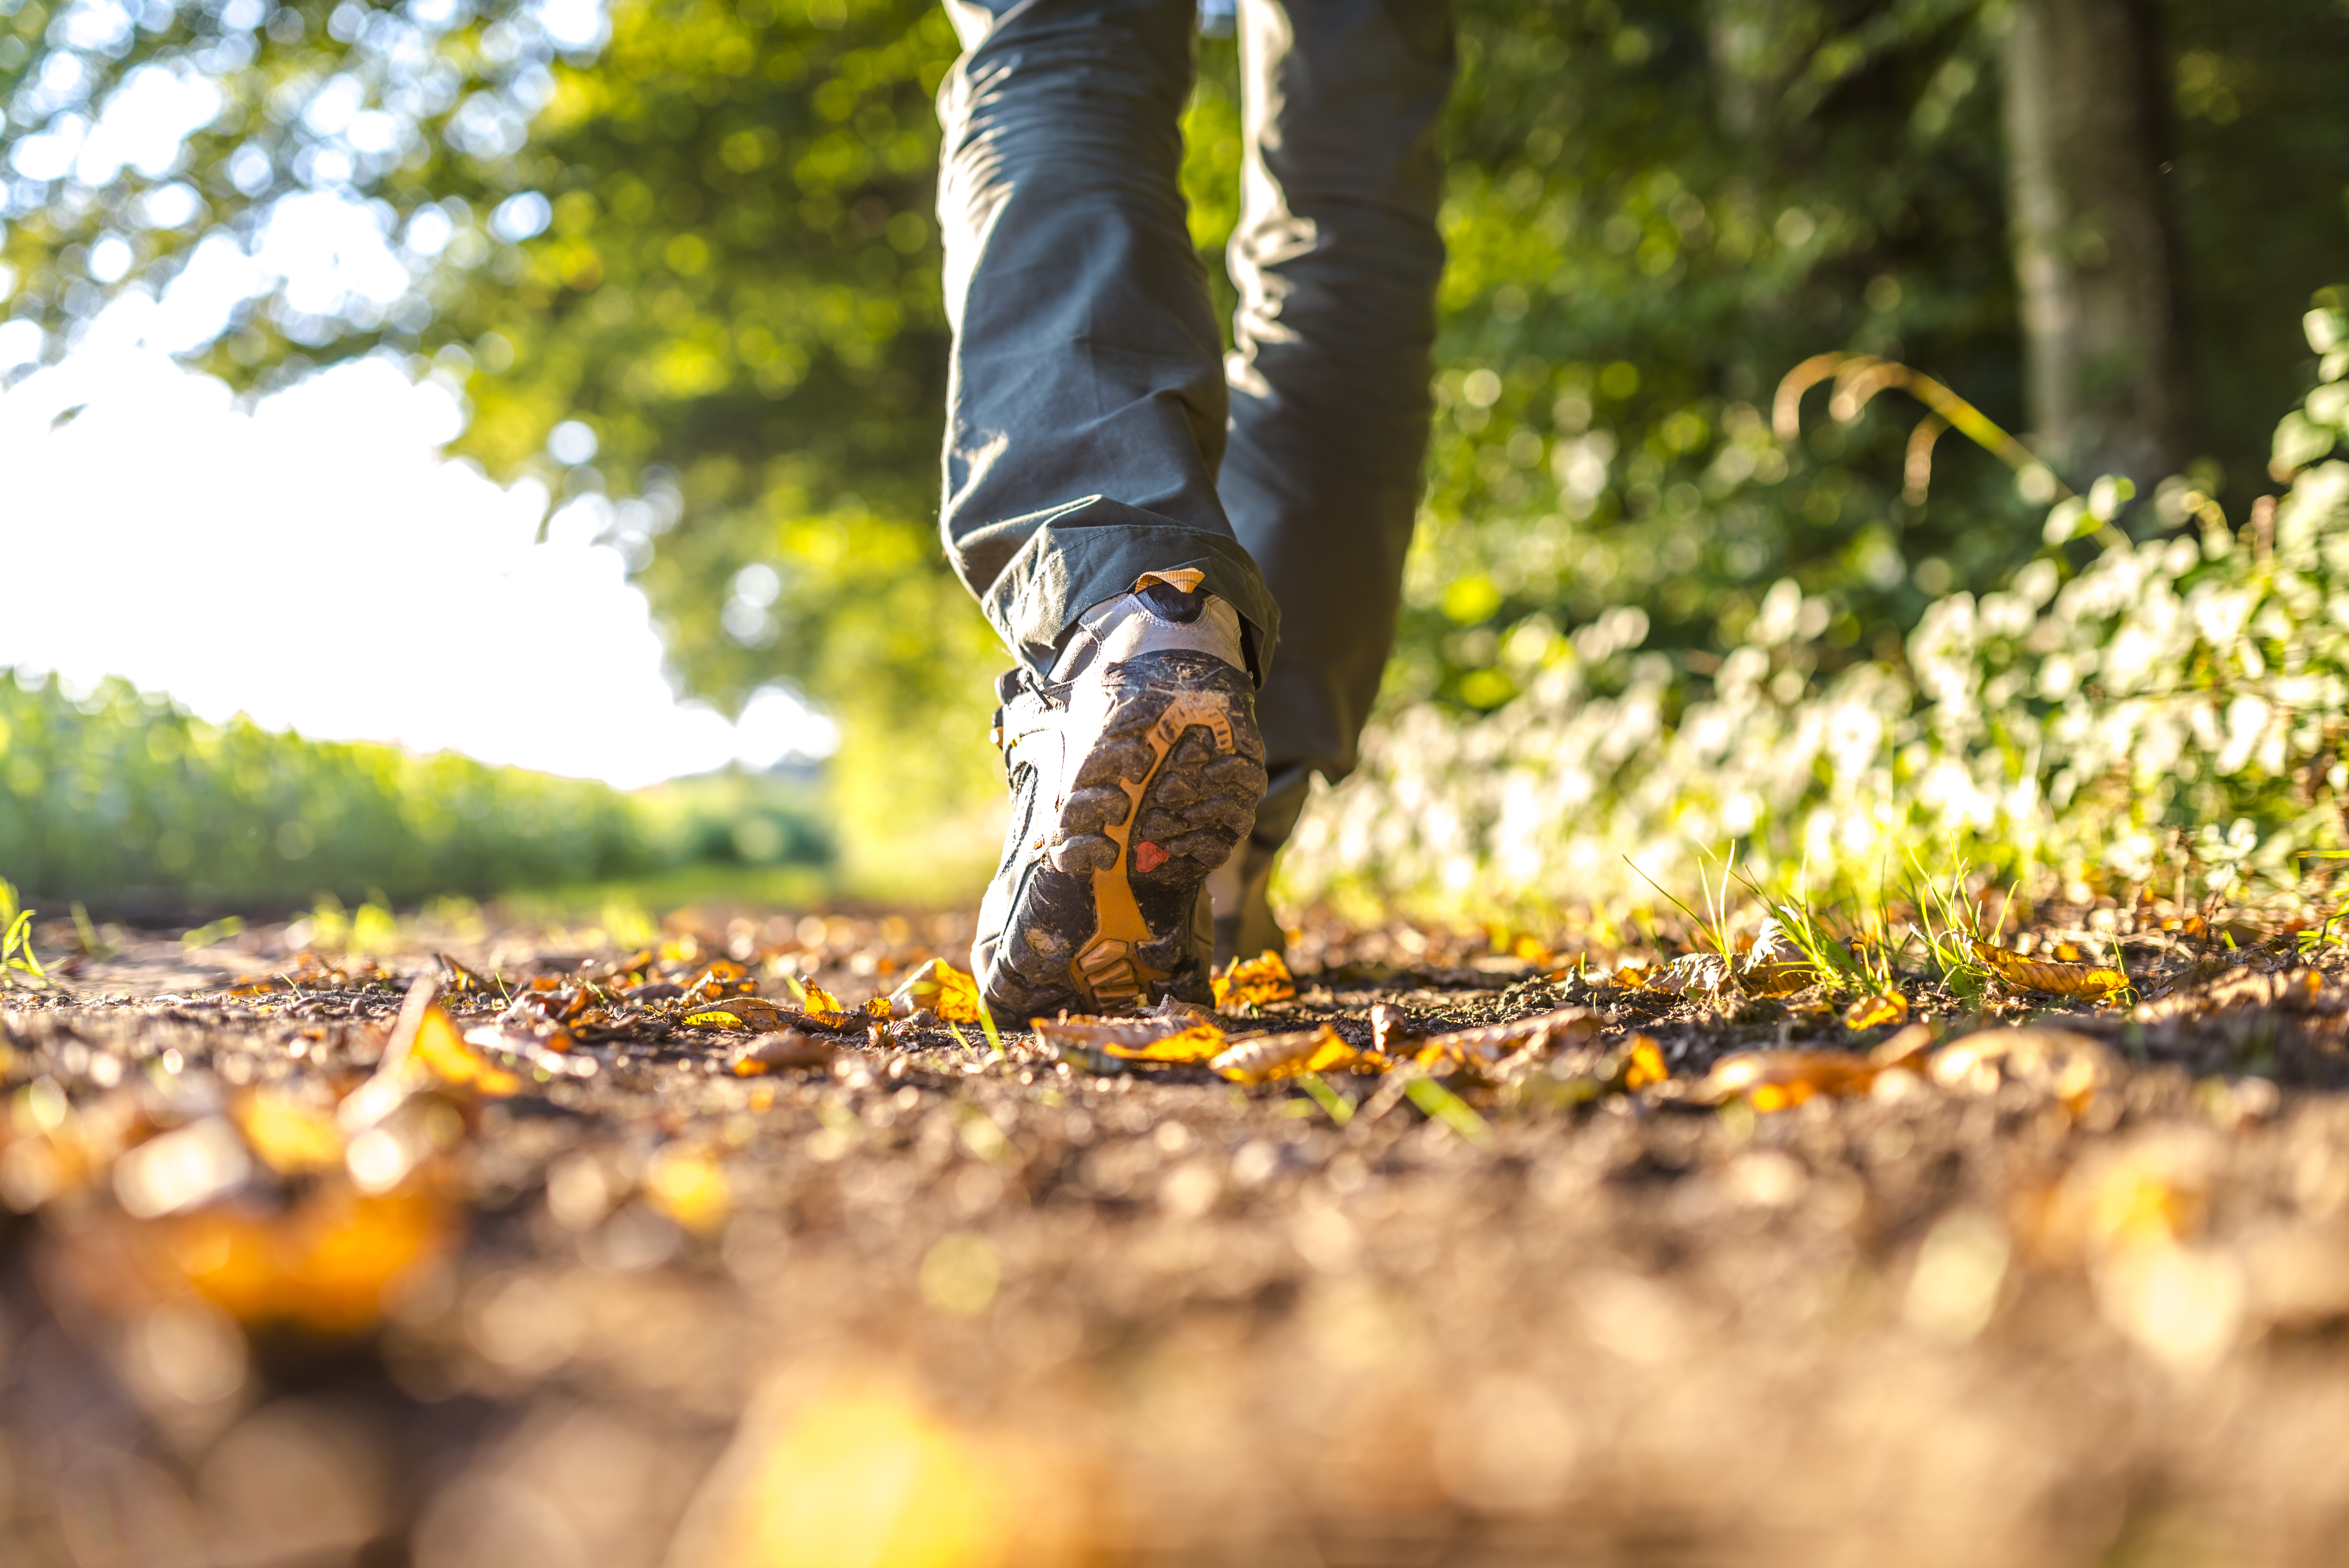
<point>931,1305</point>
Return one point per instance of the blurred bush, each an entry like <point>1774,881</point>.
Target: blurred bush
<point>124,801</point>
<point>2170,710</point>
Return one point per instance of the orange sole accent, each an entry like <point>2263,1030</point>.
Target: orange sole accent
<point>1107,970</point>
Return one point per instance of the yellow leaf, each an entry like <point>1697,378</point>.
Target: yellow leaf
<point>824,1008</point>
<point>1643,1064</point>
<point>1201,1042</point>
<point>878,1008</point>
<point>941,987</point>
<point>1533,951</point>
<point>690,1188</point>
<point>289,1136</point>
<point>1255,981</point>
<point>1872,1012</point>
<point>739,1012</point>
<point>441,1047</point>
<point>1265,1058</point>
<point>2057,979</point>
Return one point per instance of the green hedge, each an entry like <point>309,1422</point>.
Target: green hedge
<point>129,803</point>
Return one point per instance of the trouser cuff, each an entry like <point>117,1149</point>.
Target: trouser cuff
<point>1092,550</point>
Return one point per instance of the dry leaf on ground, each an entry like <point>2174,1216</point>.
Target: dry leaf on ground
<point>1875,1012</point>
<point>1773,966</point>
<point>1253,982</point>
<point>940,988</point>
<point>2070,1065</point>
<point>2056,979</point>
<point>1201,1042</point>
<point>1267,1057</point>
<point>788,1048</point>
<point>1478,1047</point>
<point>1776,1080</point>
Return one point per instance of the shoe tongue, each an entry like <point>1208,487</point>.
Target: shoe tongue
<point>1169,602</point>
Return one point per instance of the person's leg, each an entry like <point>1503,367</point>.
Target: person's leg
<point>1086,406</point>
<point>1086,414</point>
<point>1337,259</point>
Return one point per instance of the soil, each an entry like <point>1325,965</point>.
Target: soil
<point>934,1303</point>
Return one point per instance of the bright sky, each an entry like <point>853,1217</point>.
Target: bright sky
<point>312,561</point>
<point>316,564</point>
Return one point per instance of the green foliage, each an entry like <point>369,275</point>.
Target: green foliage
<point>2168,710</point>
<point>129,803</point>
<point>18,963</point>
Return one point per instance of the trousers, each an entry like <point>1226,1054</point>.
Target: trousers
<point>1096,426</point>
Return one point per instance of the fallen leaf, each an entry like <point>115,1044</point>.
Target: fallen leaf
<point>1643,1064</point>
<point>824,1008</point>
<point>1776,1080</point>
<point>1904,1044</point>
<point>1483,1046</point>
<point>1202,1042</point>
<point>2063,1063</point>
<point>1254,982</point>
<point>458,979</point>
<point>325,1264</point>
<point>1775,966</point>
<point>790,1049</point>
<point>942,988</point>
<point>753,1012</point>
<point>1875,1012</point>
<point>290,1135</point>
<point>2056,979</point>
<point>690,1188</point>
<point>1690,971</point>
<point>1262,1059</point>
<point>438,1047</point>
<point>724,977</point>
<point>549,1052</point>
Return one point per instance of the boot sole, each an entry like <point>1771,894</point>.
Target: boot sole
<point>1169,787</point>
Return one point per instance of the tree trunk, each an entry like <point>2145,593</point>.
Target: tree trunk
<point>2094,248</point>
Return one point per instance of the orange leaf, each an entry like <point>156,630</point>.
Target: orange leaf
<point>1200,1043</point>
<point>324,1265</point>
<point>1774,1081</point>
<point>1872,1012</point>
<point>1255,981</point>
<point>941,987</point>
<point>441,1049</point>
<point>1643,1064</point>
<point>1265,1058</point>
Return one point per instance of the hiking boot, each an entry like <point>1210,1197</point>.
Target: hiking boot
<point>1134,769</point>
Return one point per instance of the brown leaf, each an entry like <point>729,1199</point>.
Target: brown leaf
<point>2056,979</point>
<point>753,1012</point>
<point>790,1049</point>
<point>1475,1048</point>
<point>2070,1065</point>
<point>1774,1080</point>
